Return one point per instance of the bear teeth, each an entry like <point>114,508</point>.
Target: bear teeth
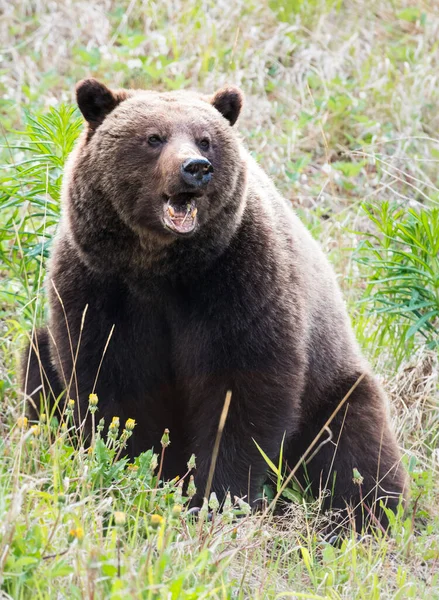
<point>185,217</point>
<point>171,211</point>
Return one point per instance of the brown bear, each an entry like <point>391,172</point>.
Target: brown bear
<point>179,273</point>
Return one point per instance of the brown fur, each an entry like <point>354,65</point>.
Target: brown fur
<point>248,302</point>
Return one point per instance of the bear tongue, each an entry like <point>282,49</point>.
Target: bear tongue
<point>180,218</point>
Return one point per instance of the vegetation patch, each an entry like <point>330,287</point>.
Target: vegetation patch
<point>342,111</point>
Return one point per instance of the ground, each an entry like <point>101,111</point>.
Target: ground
<point>342,111</point>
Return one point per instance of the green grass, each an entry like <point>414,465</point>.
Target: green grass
<point>342,112</point>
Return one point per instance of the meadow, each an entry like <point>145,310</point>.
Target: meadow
<point>342,110</point>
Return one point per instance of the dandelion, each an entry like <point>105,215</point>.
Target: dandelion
<point>119,518</point>
<point>204,510</point>
<point>76,533</point>
<point>357,477</point>
<point>244,507</point>
<point>165,441</point>
<point>22,422</point>
<point>93,407</point>
<point>228,514</point>
<point>36,430</point>
<point>43,418</point>
<point>123,438</point>
<point>156,520</point>
<point>191,463</point>
<point>191,489</point>
<point>114,425</point>
<point>113,430</point>
<point>130,424</point>
<point>133,468</point>
<point>228,505</point>
<point>69,409</point>
<point>93,400</point>
<point>213,502</point>
<point>176,510</point>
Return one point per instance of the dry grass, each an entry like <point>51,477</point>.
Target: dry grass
<point>328,86</point>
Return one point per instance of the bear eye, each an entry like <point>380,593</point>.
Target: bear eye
<point>154,140</point>
<point>204,144</point>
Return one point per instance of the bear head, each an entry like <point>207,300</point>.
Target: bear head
<point>169,164</point>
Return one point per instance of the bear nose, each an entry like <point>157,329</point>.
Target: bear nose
<point>197,171</point>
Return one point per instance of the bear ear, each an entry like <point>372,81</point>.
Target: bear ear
<point>96,101</point>
<point>228,101</point>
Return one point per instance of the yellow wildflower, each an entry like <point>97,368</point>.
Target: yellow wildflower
<point>76,533</point>
<point>115,423</point>
<point>35,429</point>
<point>93,399</point>
<point>130,424</point>
<point>22,422</point>
<point>156,520</point>
<point>119,517</point>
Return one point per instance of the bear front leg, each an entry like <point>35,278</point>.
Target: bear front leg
<point>261,411</point>
<point>359,468</point>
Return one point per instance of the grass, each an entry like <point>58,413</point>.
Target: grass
<point>342,112</point>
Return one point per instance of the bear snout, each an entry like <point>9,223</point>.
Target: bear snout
<point>196,172</point>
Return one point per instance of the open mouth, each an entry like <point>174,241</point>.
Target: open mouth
<point>180,213</point>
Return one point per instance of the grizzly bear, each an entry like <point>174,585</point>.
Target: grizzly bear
<point>178,273</point>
